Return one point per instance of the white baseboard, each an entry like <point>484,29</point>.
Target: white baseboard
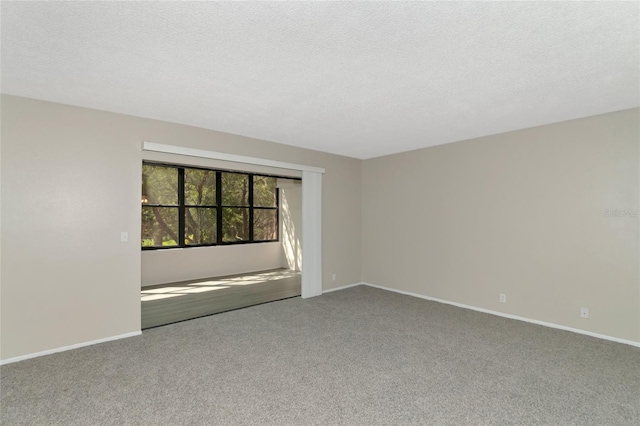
<point>342,287</point>
<point>515,317</point>
<point>407,293</point>
<point>68,348</point>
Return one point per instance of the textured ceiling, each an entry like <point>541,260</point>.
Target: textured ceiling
<point>358,79</point>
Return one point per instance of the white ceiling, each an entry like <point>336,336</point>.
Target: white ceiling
<point>357,79</point>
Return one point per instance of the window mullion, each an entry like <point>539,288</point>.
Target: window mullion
<point>219,207</point>
<point>250,179</point>
<point>181,208</point>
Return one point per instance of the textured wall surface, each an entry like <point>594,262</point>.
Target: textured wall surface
<point>71,183</point>
<point>525,213</point>
<point>548,216</point>
<point>361,79</point>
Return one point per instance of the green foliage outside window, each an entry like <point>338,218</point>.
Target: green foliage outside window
<point>159,206</point>
<point>163,204</point>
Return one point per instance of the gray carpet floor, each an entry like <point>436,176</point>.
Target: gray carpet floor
<point>360,356</point>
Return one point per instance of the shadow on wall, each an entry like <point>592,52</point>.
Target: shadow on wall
<point>291,223</point>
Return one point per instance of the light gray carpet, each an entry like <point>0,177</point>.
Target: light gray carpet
<point>360,356</point>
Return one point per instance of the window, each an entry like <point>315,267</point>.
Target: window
<point>200,212</point>
<point>265,208</point>
<point>160,209</point>
<point>186,207</point>
<point>235,207</point>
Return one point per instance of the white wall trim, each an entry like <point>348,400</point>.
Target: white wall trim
<point>201,153</point>
<point>70,347</point>
<point>311,234</point>
<point>342,287</point>
<point>515,317</point>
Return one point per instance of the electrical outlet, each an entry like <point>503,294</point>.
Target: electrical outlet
<point>503,298</point>
<point>124,237</point>
<point>584,312</point>
<point>333,277</point>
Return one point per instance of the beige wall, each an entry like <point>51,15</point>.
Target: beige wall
<point>169,266</point>
<point>520,213</point>
<point>291,223</point>
<point>71,183</point>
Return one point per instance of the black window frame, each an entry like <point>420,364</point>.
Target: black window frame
<point>182,206</point>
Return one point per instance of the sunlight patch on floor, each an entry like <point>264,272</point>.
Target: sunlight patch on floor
<point>148,295</point>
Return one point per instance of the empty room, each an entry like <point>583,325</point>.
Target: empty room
<point>319,213</point>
